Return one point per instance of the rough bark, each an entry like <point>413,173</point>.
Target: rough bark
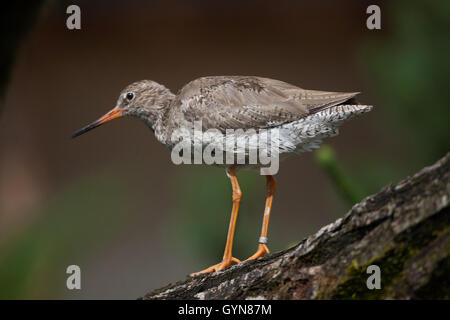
<point>404,229</point>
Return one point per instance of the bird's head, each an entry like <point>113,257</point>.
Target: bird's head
<point>144,99</point>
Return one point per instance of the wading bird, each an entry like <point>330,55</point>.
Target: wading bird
<point>300,118</point>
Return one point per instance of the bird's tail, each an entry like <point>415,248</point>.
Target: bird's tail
<point>343,112</point>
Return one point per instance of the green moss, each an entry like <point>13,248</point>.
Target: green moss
<point>354,287</point>
<point>438,287</point>
<point>405,246</point>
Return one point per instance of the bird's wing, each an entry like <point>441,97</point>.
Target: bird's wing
<point>238,102</point>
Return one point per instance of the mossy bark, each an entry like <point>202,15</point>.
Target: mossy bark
<point>404,230</point>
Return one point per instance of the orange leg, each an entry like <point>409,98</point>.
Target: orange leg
<point>262,247</point>
<point>227,257</point>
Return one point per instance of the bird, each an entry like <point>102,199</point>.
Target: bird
<point>246,106</point>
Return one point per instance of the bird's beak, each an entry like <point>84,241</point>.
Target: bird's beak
<point>111,115</point>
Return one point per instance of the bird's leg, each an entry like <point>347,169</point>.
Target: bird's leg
<point>262,247</point>
<point>227,256</point>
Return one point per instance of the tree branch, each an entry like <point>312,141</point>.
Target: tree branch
<point>404,229</point>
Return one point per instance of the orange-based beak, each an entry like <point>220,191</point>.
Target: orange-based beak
<point>111,115</point>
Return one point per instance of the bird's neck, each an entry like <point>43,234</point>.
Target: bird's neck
<point>158,123</point>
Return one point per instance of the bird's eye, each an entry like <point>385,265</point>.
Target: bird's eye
<point>129,96</point>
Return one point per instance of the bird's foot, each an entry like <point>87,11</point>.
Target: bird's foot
<point>262,250</point>
<point>217,267</point>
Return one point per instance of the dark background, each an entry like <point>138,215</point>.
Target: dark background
<point>112,202</point>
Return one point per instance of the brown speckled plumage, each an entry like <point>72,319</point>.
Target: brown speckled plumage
<point>240,102</point>
<point>226,102</point>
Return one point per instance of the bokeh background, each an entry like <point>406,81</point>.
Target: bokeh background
<point>112,202</point>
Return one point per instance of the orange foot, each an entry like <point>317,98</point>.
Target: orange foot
<point>217,267</point>
<point>262,250</point>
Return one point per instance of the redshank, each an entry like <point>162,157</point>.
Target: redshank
<point>301,119</point>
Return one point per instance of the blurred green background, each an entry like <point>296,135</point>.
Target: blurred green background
<point>113,203</point>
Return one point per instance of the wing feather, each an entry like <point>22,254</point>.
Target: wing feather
<point>238,102</point>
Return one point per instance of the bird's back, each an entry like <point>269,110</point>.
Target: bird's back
<point>244,102</point>
<point>301,117</point>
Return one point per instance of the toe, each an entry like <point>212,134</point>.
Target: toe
<point>204,271</point>
<point>261,252</point>
<point>217,267</point>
